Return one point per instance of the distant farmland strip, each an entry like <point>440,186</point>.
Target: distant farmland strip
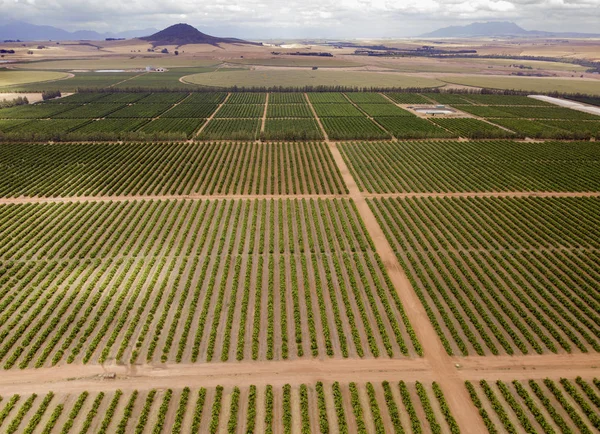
<point>450,166</point>
<point>173,168</point>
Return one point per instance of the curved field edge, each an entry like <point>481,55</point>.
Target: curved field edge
<point>272,78</point>
<point>10,78</point>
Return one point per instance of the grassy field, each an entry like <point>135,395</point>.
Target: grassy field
<point>118,62</point>
<point>536,64</point>
<point>302,61</point>
<point>88,80</point>
<point>98,80</point>
<point>532,84</point>
<point>270,78</point>
<point>15,78</point>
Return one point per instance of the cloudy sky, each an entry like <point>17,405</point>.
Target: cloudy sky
<point>304,18</point>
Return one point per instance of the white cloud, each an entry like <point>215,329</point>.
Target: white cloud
<point>341,18</point>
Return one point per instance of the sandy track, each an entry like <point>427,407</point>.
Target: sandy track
<point>75,378</point>
<point>486,194</point>
<point>357,195</point>
<point>22,200</point>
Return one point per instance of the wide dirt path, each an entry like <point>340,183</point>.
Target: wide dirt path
<point>435,355</point>
<point>76,378</point>
<point>63,199</point>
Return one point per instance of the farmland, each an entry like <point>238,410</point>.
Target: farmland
<point>531,264</point>
<point>316,407</point>
<point>158,169</point>
<point>306,77</point>
<point>12,78</point>
<point>570,405</point>
<point>431,166</point>
<point>532,84</point>
<point>219,248</point>
<point>471,128</point>
<point>347,128</point>
<point>241,116</point>
<point>292,129</point>
<point>298,262</point>
<point>231,129</point>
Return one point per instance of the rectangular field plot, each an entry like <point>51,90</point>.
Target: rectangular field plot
<point>411,127</point>
<point>8,124</point>
<point>583,128</point>
<point>189,281</point>
<point>383,110</point>
<point>205,98</point>
<point>247,98</point>
<point>549,113</point>
<point>538,129</point>
<point>37,111</point>
<point>112,126</point>
<point>484,111</point>
<point>78,98</point>
<point>187,127</point>
<point>502,275</point>
<point>349,128</point>
<point>516,100</point>
<point>175,168</point>
<point>408,98</point>
<point>124,97</point>
<point>471,128</point>
<point>287,98</point>
<point>314,407</point>
<point>140,111</point>
<point>327,98</point>
<point>449,98</point>
<point>448,166</point>
<point>191,111</point>
<point>241,111</point>
<point>89,111</point>
<point>46,127</point>
<point>289,111</point>
<point>549,405</point>
<point>366,98</point>
<point>231,129</point>
<point>292,129</point>
<point>165,98</point>
<point>337,110</point>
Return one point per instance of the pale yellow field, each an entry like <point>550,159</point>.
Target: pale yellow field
<point>536,64</point>
<point>120,63</point>
<point>307,77</point>
<point>533,84</point>
<point>324,62</point>
<point>10,78</point>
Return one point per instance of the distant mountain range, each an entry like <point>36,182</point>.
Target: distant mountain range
<point>498,28</point>
<point>183,34</point>
<point>31,32</point>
